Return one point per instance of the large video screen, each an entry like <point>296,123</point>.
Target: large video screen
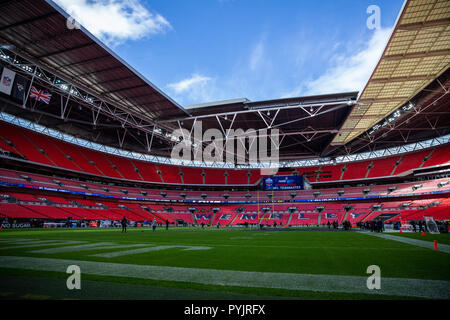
<point>283,183</point>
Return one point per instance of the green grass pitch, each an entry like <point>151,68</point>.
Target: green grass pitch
<point>271,256</point>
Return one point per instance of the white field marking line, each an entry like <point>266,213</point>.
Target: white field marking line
<point>41,244</point>
<point>403,287</point>
<point>145,250</point>
<point>15,240</point>
<point>420,243</point>
<point>27,241</point>
<point>21,242</point>
<point>87,247</point>
<point>244,245</point>
<point>195,248</point>
<point>242,238</point>
<point>30,241</point>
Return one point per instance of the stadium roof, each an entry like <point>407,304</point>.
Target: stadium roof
<point>417,53</point>
<point>425,116</point>
<point>39,30</point>
<point>223,103</point>
<point>306,124</point>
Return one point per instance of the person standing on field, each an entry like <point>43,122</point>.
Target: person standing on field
<point>124,224</point>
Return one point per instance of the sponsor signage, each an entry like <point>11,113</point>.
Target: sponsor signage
<point>6,225</point>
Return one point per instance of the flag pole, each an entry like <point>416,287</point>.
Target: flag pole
<point>257,201</point>
<point>28,93</point>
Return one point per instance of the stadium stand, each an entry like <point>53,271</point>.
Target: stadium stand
<point>125,167</point>
<point>356,170</point>
<point>193,176</point>
<point>213,176</point>
<point>383,167</point>
<point>306,218</point>
<point>236,177</point>
<point>76,155</point>
<point>411,161</point>
<point>330,173</point>
<point>48,151</point>
<point>439,156</point>
<point>170,174</point>
<point>24,205</point>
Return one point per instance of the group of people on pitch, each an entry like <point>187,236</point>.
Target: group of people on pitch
<point>335,224</point>
<point>421,224</point>
<point>373,226</point>
<point>346,225</point>
<point>124,223</point>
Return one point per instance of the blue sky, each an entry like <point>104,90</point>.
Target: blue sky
<point>199,51</point>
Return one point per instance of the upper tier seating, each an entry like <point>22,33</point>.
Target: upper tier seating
<point>383,167</point>
<point>439,156</point>
<point>170,174</point>
<point>356,170</point>
<point>331,173</point>
<point>125,167</point>
<point>193,176</point>
<point>412,161</point>
<point>237,176</point>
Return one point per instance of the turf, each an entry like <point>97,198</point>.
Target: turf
<point>299,252</point>
<point>440,238</point>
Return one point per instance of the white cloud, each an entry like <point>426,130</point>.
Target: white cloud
<point>256,57</point>
<point>195,88</point>
<point>348,72</point>
<point>196,80</point>
<point>115,21</point>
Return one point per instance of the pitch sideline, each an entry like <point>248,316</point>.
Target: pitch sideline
<point>418,243</point>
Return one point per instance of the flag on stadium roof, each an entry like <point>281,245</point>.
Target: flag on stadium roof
<point>40,95</point>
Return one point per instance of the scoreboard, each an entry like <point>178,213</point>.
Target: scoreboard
<point>277,183</point>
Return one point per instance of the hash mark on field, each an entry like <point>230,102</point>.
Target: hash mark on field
<point>145,250</point>
<point>87,247</point>
<point>16,240</point>
<point>241,238</point>
<point>43,243</point>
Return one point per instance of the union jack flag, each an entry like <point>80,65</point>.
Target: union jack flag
<point>40,95</point>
